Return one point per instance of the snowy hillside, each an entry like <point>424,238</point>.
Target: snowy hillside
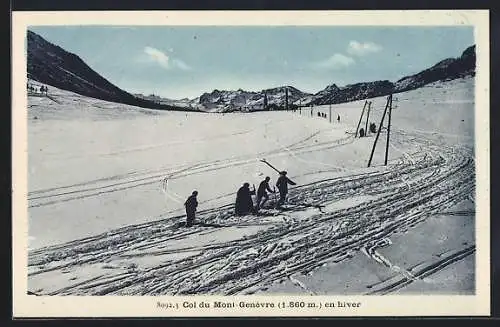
<point>52,65</point>
<point>106,204</point>
<point>447,69</point>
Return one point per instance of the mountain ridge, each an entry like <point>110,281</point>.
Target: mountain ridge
<point>446,69</point>
<point>52,65</point>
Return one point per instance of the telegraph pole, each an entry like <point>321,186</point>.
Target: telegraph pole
<point>360,118</point>
<point>367,117</point>
<point>378,131</point>
<point>388,132</point>
<point>286,98</point>
<point>330,113</point>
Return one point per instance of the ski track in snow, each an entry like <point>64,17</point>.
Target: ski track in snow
<point>432,180</point>
<point>122,182</point>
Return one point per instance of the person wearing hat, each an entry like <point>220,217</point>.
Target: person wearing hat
<point>244,202</point>
<point>282,185</point>
<point>191,204</point>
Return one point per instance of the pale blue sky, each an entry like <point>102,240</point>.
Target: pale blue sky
<point>182,61</point>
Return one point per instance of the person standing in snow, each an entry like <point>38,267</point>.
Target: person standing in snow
<point>261,192</point>
<point>338,118</point>
<point>282,185</point>
<point>244,202</point>
<point>191,204</point>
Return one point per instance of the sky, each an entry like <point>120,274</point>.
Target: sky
<point>186,61</point>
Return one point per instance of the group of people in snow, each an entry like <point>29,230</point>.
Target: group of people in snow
<point>244,203</point>
<point>33,89</point>
<point>373,129</point>
<point>323,115</point>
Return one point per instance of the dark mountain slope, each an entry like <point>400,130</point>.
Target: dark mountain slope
<point>52,65</point>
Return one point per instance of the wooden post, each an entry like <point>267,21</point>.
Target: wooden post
<point>367,117</point>
<point>388,132</point>
<point>360,118</point>
<point>330,113</point>
<point>286,98</point>
<point>378,132</point>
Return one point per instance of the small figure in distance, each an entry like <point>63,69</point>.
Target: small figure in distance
<point>244,202</point>
<point>262,194</point>
<point>191,204</point>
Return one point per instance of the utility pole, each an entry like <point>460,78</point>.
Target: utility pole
<point>286,98</point>
<point>378,131</point>
<point>330,113</point>
<point>388,132</point>
<point>360,118</point>
<point>367,117</point>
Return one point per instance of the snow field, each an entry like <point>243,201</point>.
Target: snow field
<point>121,175</point>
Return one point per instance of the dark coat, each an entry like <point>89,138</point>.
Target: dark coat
<point>191,203</point>
<point>244,202</point>
<point>282,184</point>
<point>263,186</point>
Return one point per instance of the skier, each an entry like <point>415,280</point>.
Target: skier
<point>338,118</point>
<point>191,204</point>
<point>282,184</point>
<point>244,202</point>
<point>261,193</point>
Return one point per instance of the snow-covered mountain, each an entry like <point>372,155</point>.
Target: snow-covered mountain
<point>182,103</point>
<point>50,64</point>
<point>222,100</point>
<point>241,100</point>
<point>447,69</point>
<point>332,94</point>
